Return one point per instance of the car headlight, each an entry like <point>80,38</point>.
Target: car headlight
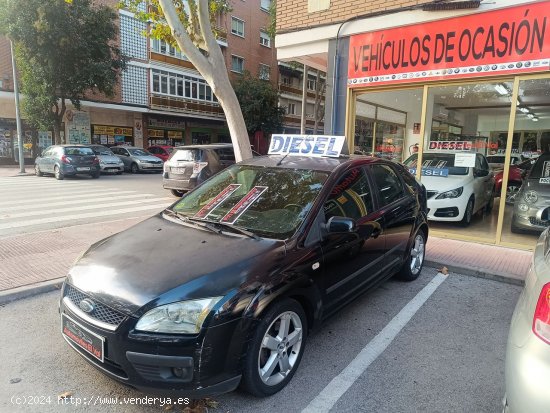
<point>139,161</point>
<point>454,193</point>
<point>183,317</point>
<point>531,197</point>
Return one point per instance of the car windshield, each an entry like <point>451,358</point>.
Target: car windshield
<point>138,152</point>
<point>101,150</point>
<point>437,161</point>
<point>189,155</point>
<point>541,168</point>
<point>78,151</point>
<point>496,159</point>
<point>270,202</point>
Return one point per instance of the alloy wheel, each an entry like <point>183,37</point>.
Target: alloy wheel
<point>280,348</point>
<point>417,254</point>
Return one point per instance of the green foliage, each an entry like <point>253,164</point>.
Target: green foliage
<point>63,51</point>
<point>187,12</point>
<point>272,25</point>
<point>259,104</point>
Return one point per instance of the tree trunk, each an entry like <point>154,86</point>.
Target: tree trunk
<point>57,132</point>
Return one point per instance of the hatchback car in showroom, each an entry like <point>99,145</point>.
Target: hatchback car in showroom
<point>108,161</point>
<point>455,193</point>
<point>528,348</point>
<point>532,204</point>
<point>137,159</point>
<point>161,151</point>
<point>189,166</point>
<point>252,260</point>
<point>67,160</point>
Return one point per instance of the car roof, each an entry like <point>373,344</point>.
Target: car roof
<point>305,162</point>
<point>207,146</point>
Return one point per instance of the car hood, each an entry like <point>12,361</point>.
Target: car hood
<point>159,261</point>
<point>109,158</point>
<point>146,158</point>
<point>442,184</point>
<point>543,190</point>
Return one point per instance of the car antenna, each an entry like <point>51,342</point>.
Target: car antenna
<point>282,159</point>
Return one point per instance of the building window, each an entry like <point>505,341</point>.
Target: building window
<point>160,46</point>
<point>265,5</point>
<point>264,71</point>
<point>182,86</point>
<point>265,40</point>
<point>237,64</point>
<point>291,109</point>
<point>237,26</point>
<point>311,84</point>
<point>134,85</point>
<point>133,43</point>
<point>287,81</point>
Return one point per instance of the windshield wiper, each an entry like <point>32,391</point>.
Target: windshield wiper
<point>213,226</point>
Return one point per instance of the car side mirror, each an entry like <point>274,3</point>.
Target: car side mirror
<point>340,225</point>
<point>478,173</point>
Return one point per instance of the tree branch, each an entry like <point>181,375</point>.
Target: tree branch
<point>205,26</point>
<point>182,37</point>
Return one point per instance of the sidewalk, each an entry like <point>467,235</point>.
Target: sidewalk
<point>11,170</point>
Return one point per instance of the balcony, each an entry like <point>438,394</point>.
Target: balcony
<point>186,106</point>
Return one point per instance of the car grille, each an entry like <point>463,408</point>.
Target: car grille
<point>538,222</point>
<point>101,312</point>
<point>430,193</point>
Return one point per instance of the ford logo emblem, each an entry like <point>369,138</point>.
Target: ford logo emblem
<point>87,305</point>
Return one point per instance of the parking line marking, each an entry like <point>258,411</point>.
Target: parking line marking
<point>328,397</point>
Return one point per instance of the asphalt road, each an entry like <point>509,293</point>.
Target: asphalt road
<point>448,357</point>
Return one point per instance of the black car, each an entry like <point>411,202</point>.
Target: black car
<point>223,287</point>
<point>67,160</point>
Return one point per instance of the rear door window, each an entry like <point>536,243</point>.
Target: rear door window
<point>351,197</point>
<point>186,155</point>
<point>390,188</point>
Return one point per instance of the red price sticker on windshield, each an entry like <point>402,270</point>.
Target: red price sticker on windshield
<point>245,203</point>
<point>217,201</point>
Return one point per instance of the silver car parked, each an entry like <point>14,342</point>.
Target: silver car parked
<point>108,161</point>
<point>528,348</point>
<point>137,159</point>
<point>532,205</point>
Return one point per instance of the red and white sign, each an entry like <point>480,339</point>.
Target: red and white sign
<point>450,146</point>
<point>510,40</point>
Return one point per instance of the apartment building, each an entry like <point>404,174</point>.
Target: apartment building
<point>161,98</point>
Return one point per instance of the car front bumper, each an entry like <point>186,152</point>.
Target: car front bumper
<point>112,167</point>
<point>448,209</point>
<point>535,218</point>
<point>150,167</point>
<point>208,365</point>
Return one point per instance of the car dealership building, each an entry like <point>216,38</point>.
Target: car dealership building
<point>444,82</point>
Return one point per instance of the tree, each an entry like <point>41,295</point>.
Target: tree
<point>63,51</point>
<point>259,101</point>
<point>188,25</point>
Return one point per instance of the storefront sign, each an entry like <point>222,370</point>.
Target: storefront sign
<point>175,134</point>
<point>78,126</point>
<point>306,145</point>
<point>510,40</point>
<point>465,159</point>
<point>112,130</point>
<point>155,133</point>
<point>166,123</point>
<point>450,145</point>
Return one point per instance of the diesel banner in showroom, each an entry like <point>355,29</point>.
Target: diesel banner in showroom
<point>511,40</point>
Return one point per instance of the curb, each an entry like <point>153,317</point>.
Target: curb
<point>476,272</point>
<point>26,291</point>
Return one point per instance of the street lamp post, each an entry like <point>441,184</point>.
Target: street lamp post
<point>17,114</point>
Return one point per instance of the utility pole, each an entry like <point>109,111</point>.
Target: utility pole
<point>17,114</point>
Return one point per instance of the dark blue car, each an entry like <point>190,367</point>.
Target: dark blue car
<point>67,160</point>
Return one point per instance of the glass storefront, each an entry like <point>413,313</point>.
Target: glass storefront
<point>481,148</point>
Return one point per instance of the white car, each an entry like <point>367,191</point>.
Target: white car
<point>455,193</point>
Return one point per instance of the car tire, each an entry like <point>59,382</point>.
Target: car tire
<point>37,170</point>
<point>515,229</point>
<point>96,175</point>
<point>119,172</point>
<point>415,259</point>
<point>58,174</point>
<point>134,168</point>
<point>511,193</point>
<point>274,349</point>
<point>468,213</point>
<point>177,193</point>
